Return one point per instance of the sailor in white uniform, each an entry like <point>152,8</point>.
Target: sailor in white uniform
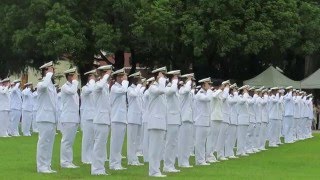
<point>46,118</point>
<point>145,117</point>
<point>87,112</point>
<point>288,115</point>
<point>34,110</point>
<point>173,121</point>
<point>310,116</point>
<point>118,118</point>
<point>202,120</point>
<point>69,118</point>
<point>252,121</point>
<point>101,121</point>
<point>186,144</point>
<point>296,114</point>
<point>15,108</point>
<point>157,123</point>
<point>258,115</point>
<point>135,92</point>
<point>4,107</point>
<point>27,109</point>
<point>275,122</point>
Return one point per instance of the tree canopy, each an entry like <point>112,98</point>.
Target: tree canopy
<point>221,38</point>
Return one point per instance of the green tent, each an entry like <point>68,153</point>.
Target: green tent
<point>312,81</point>
<point>272,77</point>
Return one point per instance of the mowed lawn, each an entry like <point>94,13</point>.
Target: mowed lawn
<point>300,160</point>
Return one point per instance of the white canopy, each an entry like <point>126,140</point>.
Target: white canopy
<point>312,81</point>
<point>271,77</point>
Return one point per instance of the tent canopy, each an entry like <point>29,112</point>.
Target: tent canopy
<point>312,81</point>
<point>271,77</point>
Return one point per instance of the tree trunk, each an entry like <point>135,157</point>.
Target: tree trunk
<point>133,61</point>
<point>119,59</point>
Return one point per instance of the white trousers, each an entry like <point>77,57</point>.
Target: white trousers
<point>87,141</point>
<point>101,133</point>
<point>68,131</point>
<point>145,142</point>
<point>288,128</point>
<point>15,116</point>
<point>4,121</point>
<point>256,134</point>
<point>250,136</point>
<point>26,122</point>
<point>133,143</point>
<point>59,119</point>
<point>118,131</point>
<point>202,137</point>
<point>185,143</point>
<point>309,127</point>
<point>34,122</point>
<point>223,134</point>
<point>156,146</point>
<point>171,146</point>
<point>47,132</point>
<point>275,131</point>
<point>263,135</point>
<point>213,138</point>
<point>230,140</point>
<point>140,139</point>
<point>295,129</point>
<point>241,139</point>
<point>300,128</point>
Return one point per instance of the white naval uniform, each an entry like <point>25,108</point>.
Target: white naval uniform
<point>59,110</point>
<point>145,116</point>
<point>46,121</point>
<point>243,123</point>
<point>310,118</point>
<point>252,124</point>
<point>69,120</point>
<point>296,117</point>
<point>185,140</point>
<point>258,115</point>
<point>232,129</point>
<point>223,133</point>
<point>34,112</point>
<point>27,109</point>
<point>264,122</point>
<point>4,111</point>
<point>275,122</point>
<point>280,114</point>
<point>288,117</point>
<point>157,125</point>
<point>101,123</point>
<point>215,124</point>
<point>118,122</point>
<point>15,110</point>
<point>202,124</point>
<point>173,125</point>
<point>134,94</point>
<point>305,118</point>
<point>87,110</point>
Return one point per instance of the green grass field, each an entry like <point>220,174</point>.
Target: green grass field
<point>300,160</point>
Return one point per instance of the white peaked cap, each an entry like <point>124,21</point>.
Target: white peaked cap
<point>90,72</point>
<point>27,84</point>
<point>187,75</point>
<point>105,67</point>
<point>274,88</point>
<point>252,88</point>
<point>243,87</point>
<point>5,80</point>
<point>136,74</point>
<point>225,82</point>
<point>162,69</point>
<point>174,72</point>
<point>70,71</point>
<point>151,79</point>
<point>289,87</point>
<point>310,95</point>
<point>198,87</point>
<point>49,64</point>
<point>143,80</point>
<point>16,81</point>
<point>233,85</point>
<point>205,80</point>
<point>120,71</point>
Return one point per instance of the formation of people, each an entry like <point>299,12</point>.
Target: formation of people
<point>166,118</point>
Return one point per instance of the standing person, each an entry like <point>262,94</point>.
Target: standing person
<point>118,118</point>
<point>145,117</point>
<point>101,121</point>
<point>243,120</point>
<point>59,107</point>
<point>232,128</point>
<point>185,143</point>
<point>173,122</point>
<point>4,107</point>
<point>288,115</point>
<point>46,118</point>
<point>15,108</point>
<point>135,92</point>
<point>264,119</point>
<point>87,110</point>
<point>274,117</point>
<point>202,120</point>
<point>27,108</point>
<point>69,118</point>
<point>157,123</point>
<point>296,115</point>
<point>34,110</point>
<point>252,121</point>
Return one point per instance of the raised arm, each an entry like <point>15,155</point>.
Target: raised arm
<point>158,90</point>
<point>42,86</point>
<point>70,89</point>
<point>186,88</point>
